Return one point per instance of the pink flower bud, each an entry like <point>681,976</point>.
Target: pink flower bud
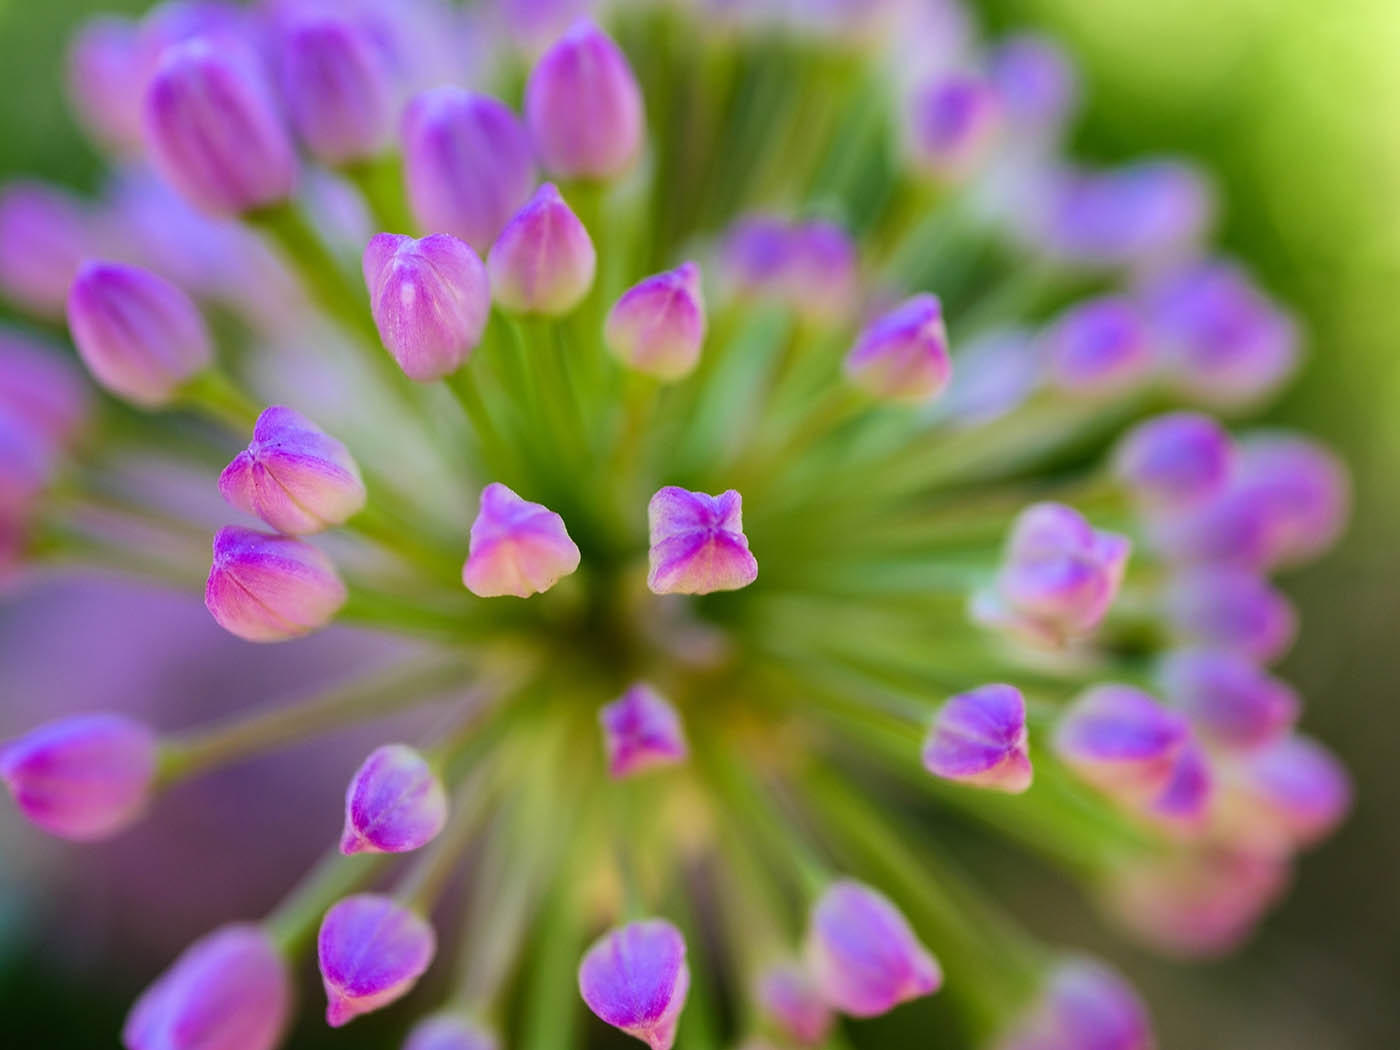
<point>517,547</point>
<point>82,778</point>
<point>954,121</point>
<point>1232,609</point>
<point>756,256</point>
<point>864,955</point>
<point>43,239</point>
<point>658,326</point>
<point>584,106</point>
<point>821,272</point>
<point>450,1032</point>
<point>230,990</point>
<point>371,951</point>
<point>1122,741</point>
<point>697,543</point>
<point>267,588</point>
<point>635,978</point>
<point>1184,803</point>
<point>979,738</point>
<point>395,803</point>
<point>903,356</point>
<point>641,731</point>
<point>1303,489</point>
<point>293,475</point>
<point>791,999</point>
<point>1288,795</point>
<point>41,389</point>
<point>1175,460</point>
<point>1100,348</point>
<point>543,262</point>
<point>1086,1006</point>
<point>1229,700</point>
<point>140,336</point>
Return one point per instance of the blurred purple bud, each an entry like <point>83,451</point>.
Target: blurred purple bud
<point>1288,795</point>
<point>635,978</point>
<point>697,543</point>
<point>641,731</point>
<point>903,355</point>
<point>791,999</point>
<point>1184,803</point>
<point>658,326</point>
<point>106,79</point>
<point>543,262</point>
<point>821,274</point>
<point>1101,347</point>
<point>1228,698</point>
<point>43,240</point>
<point>1122,741</point>
<point>339,91</point>
<point>535,24</point>
<point>40,389</point>
<point>979,738</point>
<point>450,1032</point>
<point>954,122</point>
<point>395,803</point>
<point>1175,460</point>
<point>756,255</point>
<point>1085,1006</point>
<point>1304,490</point>
<point>266,588</point>
<point>1036,82</point>
<point>371,950</point>
<point>1233,609</point>
<point>27,462</point>
<point>517,547</point>
<point>994,375</point>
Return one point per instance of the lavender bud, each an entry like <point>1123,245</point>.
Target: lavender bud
<point>954,121</point>
<point>791,999</point>
<point>996,373</point>
<point>1228,699</point>
<point>543,262</point>
<point>1231,608</point>
<point>27,461</point>
<point>584,106</point>
<point>821,272</point>
<point>641,731</point>
<point>468,164</point>
<point>1086,1006</point>
<point>903,355</point>
<point>1100,348</point>
<point>230,990</point>
<point>756,256</point>
<point>140,336</point>
<point>635,978</point>
<point>43,240</point>
<point>395,803</point>
<point>1184,803</point>
<point>105,80</point>
<point>293,475</point>
<point>371,951</point>
<point>1303,490</point>
<point>658,326</point>
<point>1175,460</point>
<point>430,301</point>
<point>1288,795</point>
<point>450,1032</point>
<point>213,129</point>
<point>864,955</point>
<point>1036,82</point>
<point>979,738</point>
<point>698,544</point>
<point>82,778</point>
<point>1122,741</point>
<point>40,390</point>
<point>517,547</point>
<point>267,588</point>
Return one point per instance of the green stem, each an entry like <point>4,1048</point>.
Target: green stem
<point>294,922</point>
<point>213,393</point>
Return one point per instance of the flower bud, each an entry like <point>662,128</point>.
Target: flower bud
<point>1085,1006</point>
<point>517,547</point>
<point>793,1002</point>
<point>641,731</point>
<point>43,240</point>
<point>635,978</point>
<point>1185,802</point>
<point>979,738</point>
<point>213,130</point>
<point>140,336</point>
<point>105,80</point>
<point>230,990</point>
<point>82,778</point>
<point>267,588</point>
<point>40,389</point>
<point>903,356</point>
<point>954,121</point>
<point>27,460</point>
<point>697,543</point>
<point>996,373</point>
<point>658,326</point>
<point>1232,609</point>
<point>450,1032</point>
<point>468,164</point>
<point>1036,82</point>
<point>1100,348</point>
<point>821,272</point>
<point>1303,490</point>
<point>430,301</point>
<point>1288,795</point>
<point>371,951</point>
<point>543,262</point>
<point>395,803</point>
<point>1122,741</point>
<point>756,256</point>
<point>1174,460</point>
<point>1229,700</point>
<point>584,107</point>
<point>864,955</point>
<point>293,475</point>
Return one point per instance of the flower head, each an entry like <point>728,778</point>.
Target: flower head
<point>697,543</point>
<point>371,951</point>
<point>636,978</point>
<point>517,547</point>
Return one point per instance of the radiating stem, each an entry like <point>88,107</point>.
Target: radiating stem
<point>293,923</point>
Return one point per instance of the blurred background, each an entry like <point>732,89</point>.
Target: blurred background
<point>1291,105</point>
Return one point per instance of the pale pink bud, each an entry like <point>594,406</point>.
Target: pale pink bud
<point>697,543</point>
<point>659,325</point>
<point>517,547</point>
<point>267,588</point>
<point>543,262</point>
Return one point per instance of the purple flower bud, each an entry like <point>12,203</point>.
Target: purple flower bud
<point>213,129</point>
<point>41,390</point>
<point>1101,347</point>
<point>1086,1006</point>
<point>1185,802</point>
<point>791,999</point>
<point>543,262</point>
<point>635,978</point>
<point>864,955</point>
<point>697,543</point>
<point>371,950</point>
<point>1304,492</point>
<point>1288,795</point>
<point>821,272</point>
<point>658,326</point>
<point>517,547</point>
<point>1233,609</point>
<point>1122,741</point>
<point>641,731</point>
<point>450,1032</point>
<point>430,300</point>
<point>267,588</point>
<point>230,990</point>
<point>1036,82</point>
<point>85,777</point>
<point>995,375</point>
<point>980,738</point>
<point>756,255</point>
<point>395,803</point>
<point>903,355</point>
<point>293,475</point>
<point>584,107</point>
<point>1229,699</point>
<point>105,80</point>
<point>1175,460</point>
<point>27,460</point>
<point>140,336</point>
<point>43,239</point>
<point>954,121</point>
<point>468,164</point>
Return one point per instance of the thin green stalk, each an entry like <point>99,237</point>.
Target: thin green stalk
<point>293,923</point>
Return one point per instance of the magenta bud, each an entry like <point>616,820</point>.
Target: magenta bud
<point>339,89</point>
<point>635,978</point>
<point>41,390</point>
<point>140,336</point>
<point>395,803</point>
<point>517,547</point>
<point>903,356</point>
<point>105,80</point>
<point>821,274</point>
<point>697,543</point>
<point>371,951</point>
<point>658,326</point>
<point>980,738</point>
<point>1036,82</point>
<point>213,129</point>
<point>1085,1006</point>
<point>230,990</point>
<point>1232,609</point>
<point>543,262</point>
<point>1175,460</point>
<point>641,731</point>
<point>468,164</point>
<point>791,1000</point>
<point>954,121</point>
<point>1288,795</point>
<point>1303,491</point>
<point>450,1032</point>
<point>863,953</point>
<point>267,588</point>
<point>1122,741</point>
<point>584,106</point>
<point>43,240</point>
<point>1099,348</point>
<point>1228,698</point>
<point>82,778</point>
<point>293,475</point>
<point>430,301</point>
<point>756,256</point>
<point>1184,803</point>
